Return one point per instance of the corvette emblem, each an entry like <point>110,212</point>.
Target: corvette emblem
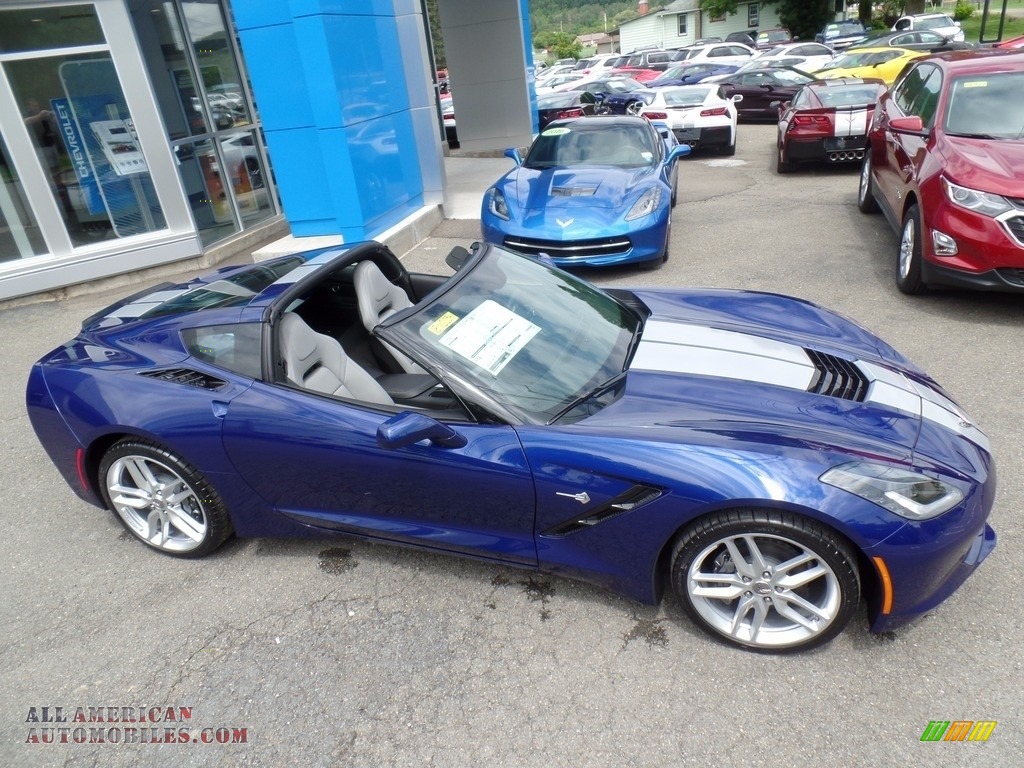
<point>566,223</point>
<point>582,498</point>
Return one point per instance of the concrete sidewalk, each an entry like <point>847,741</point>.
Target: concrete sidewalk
<point>467,178</point>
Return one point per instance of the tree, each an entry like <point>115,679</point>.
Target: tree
<point>565,47</point>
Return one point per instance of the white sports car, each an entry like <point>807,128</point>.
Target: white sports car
<point>699,115</point>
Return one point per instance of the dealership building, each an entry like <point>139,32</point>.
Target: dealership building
<point>136,134</point>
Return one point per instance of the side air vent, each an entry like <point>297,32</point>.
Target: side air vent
<point>634,498</point>
<point>836,377</point>
<point>186,376</point>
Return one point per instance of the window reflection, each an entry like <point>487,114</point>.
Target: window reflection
<point>77,118</point>
<point>192,60</point>
<point>19,233</point>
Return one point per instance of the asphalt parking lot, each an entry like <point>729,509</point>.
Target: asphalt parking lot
<point>334,652</point>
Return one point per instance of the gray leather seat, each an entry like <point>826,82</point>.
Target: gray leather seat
<point>378,299</point>
<point>318,363</point>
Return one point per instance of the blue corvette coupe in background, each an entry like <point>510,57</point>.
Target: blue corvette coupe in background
<point>591,191</point>
<point>769,462</point>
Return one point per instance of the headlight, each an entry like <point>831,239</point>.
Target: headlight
<point>905,493</point>
<point>496,203</point>
<point>973,200</point>
<point>648,203</point>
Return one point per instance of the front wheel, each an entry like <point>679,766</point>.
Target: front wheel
<point>908,267</point>
<point>162,499</point>
<point>766,581</point>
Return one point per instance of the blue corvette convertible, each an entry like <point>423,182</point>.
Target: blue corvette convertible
<point>591,191</point>
<point>770,462</point>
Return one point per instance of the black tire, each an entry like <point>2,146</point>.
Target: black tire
<point>175,511</point>
<point>866,201</point>
<point>765,614</point>
<point>634,107</point>
<point>657,263</point>
<point>781,164</point>
<point>729,149</point>
<point>908,254</point>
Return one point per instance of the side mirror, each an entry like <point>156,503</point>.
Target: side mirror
<point>680,150</point>
<point>911,125</point>
<point>407,428</point>
<point>512,153</point>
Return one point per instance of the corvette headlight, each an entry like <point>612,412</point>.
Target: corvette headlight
<point>973,200</point>
<point>496,203</point>
<point>648,203</point>
<point>905,493</point>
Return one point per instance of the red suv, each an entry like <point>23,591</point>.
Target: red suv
<point>945,164</point>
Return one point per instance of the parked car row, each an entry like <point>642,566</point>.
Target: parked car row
<point>940,144</point>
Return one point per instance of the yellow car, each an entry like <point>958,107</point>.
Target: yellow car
<point>884,63</point>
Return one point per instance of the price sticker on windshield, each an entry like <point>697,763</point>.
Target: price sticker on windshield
<point>490,336</point>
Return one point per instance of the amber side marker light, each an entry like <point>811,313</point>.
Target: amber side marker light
<point>883,573</point>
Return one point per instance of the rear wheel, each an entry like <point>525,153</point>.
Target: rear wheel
<point>782,165</point>
<point>765,580</point>
<point>162,499</point>
<point>865,191</point>
<point>730,149</point>
<point>634,107</point>
<point>908,266</point>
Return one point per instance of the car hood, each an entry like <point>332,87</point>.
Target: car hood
<point>584,187</point>
<point>989,165</point>
<point>770,369</point>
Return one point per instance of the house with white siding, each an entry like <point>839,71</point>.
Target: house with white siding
<point>682,22</point>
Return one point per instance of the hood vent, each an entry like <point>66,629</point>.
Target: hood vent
<point>836,377</point>
<point>634,498</point>
<point>186,376</point>
<point>573,191</point>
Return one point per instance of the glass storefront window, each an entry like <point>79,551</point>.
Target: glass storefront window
<point>19,233</point>
<point>37,29</point>
<point>85,139</point>
<point>191,57</point>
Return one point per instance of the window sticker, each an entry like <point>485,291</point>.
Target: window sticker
<point>977,84</point>
<point>489,336</point>
<point>555,131</point>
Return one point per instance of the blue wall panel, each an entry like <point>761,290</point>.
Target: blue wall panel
<point>330,86</point>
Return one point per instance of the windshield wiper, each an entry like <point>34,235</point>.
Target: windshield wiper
<point>576,403</point>
<point>974,135</point>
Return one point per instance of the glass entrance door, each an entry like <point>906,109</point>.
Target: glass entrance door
<point>59,71</point>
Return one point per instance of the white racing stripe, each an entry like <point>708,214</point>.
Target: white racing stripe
<point>693,349</point>
<point>851,123</point>
<point>697,350</point>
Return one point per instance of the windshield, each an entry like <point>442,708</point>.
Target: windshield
<point>987,105</point>
<point>589,142</point>
<point>855,59</point>
<point>535,338</point>
<point>688,97</point>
